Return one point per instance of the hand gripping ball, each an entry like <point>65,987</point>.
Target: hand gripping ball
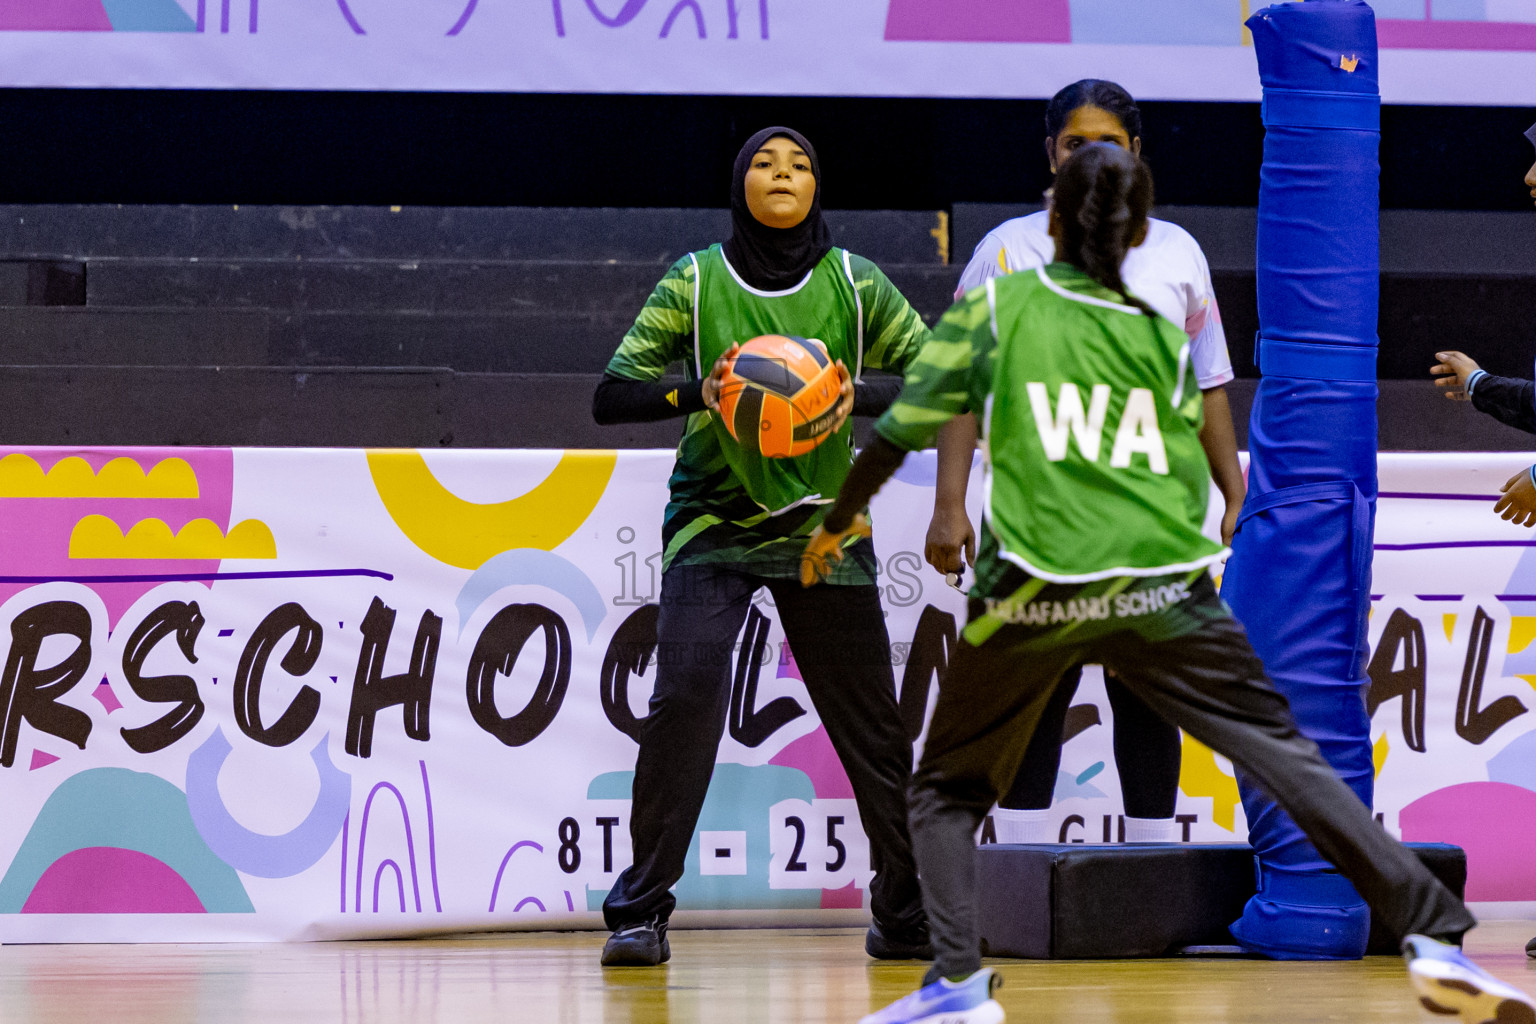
<point>779,395</point>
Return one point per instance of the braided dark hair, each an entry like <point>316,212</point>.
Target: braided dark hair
<point>1092,92</point>
<point>1102,198</point>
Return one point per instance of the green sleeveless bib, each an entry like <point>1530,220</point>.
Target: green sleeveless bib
<point>824,306</point>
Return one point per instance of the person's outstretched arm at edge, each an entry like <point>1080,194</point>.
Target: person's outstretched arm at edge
<point>1508,400</point>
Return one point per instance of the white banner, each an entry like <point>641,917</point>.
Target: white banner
<point>282,694</point>
<point>1455,51</point>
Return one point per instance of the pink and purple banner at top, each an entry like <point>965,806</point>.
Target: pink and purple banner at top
<point>1434,51</point>
<point>1408,24</point>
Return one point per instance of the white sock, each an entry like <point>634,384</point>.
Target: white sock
<point>1151,830</point>
<point>1028,826</point>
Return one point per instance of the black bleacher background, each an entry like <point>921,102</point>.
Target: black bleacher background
<point>127,318</point>
<point>490,326</point>
<point>352,325</point>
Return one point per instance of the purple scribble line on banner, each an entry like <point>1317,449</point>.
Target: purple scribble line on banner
<point>378,876</point>
<point>202,20</point>
<point>224,18</point>
<point>253,17</point>
<point>1439,497</point>
<point>627,13</point>
<point>346,12</point>
<point>176,577</point>
<point>1436,545</point>
<point>569,903</point>
<point>496,886</point>
<point>437,897</point>
<point>468,12</point>
<point>527,900</point>
<point>1458,597</point>
<point>362,842</point>
<point>698,15</point>
<point>1428,545</point>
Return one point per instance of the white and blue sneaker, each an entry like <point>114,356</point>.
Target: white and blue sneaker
<point>947,1002</point>
<point>1453,986</point>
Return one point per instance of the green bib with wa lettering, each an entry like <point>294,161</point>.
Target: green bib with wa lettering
<point>1090,419</point>
<point>1094,465</point>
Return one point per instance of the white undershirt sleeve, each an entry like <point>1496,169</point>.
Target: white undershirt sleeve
<point>1207,339</point>
<point>987,262</point>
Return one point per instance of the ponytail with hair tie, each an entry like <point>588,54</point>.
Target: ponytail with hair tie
<point>1103,195</point>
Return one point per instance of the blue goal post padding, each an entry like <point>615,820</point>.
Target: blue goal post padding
<point>1299,576</point>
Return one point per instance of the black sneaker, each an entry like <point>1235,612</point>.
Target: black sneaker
<point>638,945</point>
<point>912,944</point>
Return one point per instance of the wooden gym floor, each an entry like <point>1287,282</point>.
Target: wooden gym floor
<point>719,977</point>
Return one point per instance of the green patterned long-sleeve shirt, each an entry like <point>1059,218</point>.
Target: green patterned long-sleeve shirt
<point>728,505</point>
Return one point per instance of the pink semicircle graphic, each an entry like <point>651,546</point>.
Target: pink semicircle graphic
<point>110,880</point>
<point>1494,822</point>
<point>813,754</point>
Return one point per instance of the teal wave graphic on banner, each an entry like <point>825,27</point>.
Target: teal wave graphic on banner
<point>148,16</point>
<point>114,841</point>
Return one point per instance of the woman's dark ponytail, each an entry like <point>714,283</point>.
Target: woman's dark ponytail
<point>1103,195</point>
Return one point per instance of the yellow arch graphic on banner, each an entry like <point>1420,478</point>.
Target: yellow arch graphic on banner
<point>468,534</point>
<point>22,476</point>
<point>99,537</point>
<point>1200,775</point>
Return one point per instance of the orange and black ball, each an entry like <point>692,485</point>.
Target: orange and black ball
<point>779,396</point>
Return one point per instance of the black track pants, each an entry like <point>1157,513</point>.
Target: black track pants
<point>1206,680</point>
<point>838,637</point>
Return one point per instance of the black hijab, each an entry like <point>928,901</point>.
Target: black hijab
<point>773,259</point>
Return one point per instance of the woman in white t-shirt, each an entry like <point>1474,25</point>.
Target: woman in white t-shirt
<point>1168,271</point>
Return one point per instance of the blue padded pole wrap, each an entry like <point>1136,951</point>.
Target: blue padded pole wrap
<point>1299,577</point>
